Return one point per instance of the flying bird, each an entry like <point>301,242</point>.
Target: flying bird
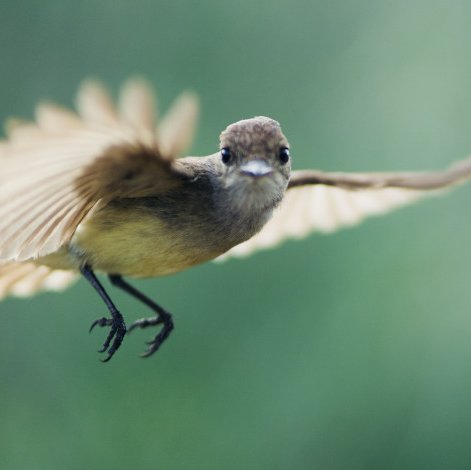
<point>102,190</point>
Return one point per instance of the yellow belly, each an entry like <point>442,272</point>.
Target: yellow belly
<point>135,243</point>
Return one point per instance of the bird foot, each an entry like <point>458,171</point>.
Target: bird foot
<point>167,326</point>
<point>118,330</point>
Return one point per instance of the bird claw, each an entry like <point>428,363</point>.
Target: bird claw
<point>103,321</point>
<point>118,330</point>
<point>165,320</point>
<point>145,322</point>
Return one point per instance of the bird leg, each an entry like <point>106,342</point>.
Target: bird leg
<point>118,327</point>
<point>162,318</point>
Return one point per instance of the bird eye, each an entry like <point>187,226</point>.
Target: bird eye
<point>284,155</point>
<point>226,155</point>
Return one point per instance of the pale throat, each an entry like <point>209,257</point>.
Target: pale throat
<point>248,207</point>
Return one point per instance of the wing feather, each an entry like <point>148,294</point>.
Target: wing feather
<point>25,231</point>
<point>24,279</point>
<point>51,118</point>
<point>137,105</point>
<point>55,170</point>
<point>177,128</point>
<point>94,104</point>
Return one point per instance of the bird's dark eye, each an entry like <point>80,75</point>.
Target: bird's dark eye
<point>284,155</point>
<point>226,155</point>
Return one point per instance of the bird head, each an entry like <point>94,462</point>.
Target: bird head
<point>256,161</point>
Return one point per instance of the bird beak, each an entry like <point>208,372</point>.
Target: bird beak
<point>256,168</point>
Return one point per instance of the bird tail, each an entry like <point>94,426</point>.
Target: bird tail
<point>26,279</point>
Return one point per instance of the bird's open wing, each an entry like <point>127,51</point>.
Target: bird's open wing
<point>55,170</point>
<point>323,202</point>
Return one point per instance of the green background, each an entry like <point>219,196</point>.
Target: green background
<point>349,351</point>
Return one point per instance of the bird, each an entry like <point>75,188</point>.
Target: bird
<point>103,189</point>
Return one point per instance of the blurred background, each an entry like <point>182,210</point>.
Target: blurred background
<point>348,351</point>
